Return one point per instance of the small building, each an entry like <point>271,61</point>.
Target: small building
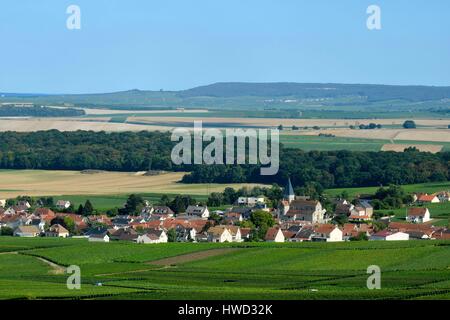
<point>219,234</point>
<point>63,204</point>
<point>251,201</point>
<point>387,235</point>
<point>235,233</point>
<point>2,203</point>
<point>428,198</point>
<point>327,233</point>
<point>99,237</point>
<point>443,196</point>
<point>27,231</point>
<point>274,235</point>
<point>418,215</point>
<point>57,231</point>
<point>153,236</point>
<point>163,210</point>
<point>198,211</point>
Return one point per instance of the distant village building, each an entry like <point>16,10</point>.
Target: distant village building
<point>99,237</point>
<point>289,194</point>
<point>387,235</point>
<point>418,215</point>
<point>153,236</point>
<point>274,235</point>
<point>198,211</point>
<point>443,196</point>
<point>27,231</point>
<point>62,204</point>
<point>251,201</point>
<point>362,211</point>
<point>427,198</point>
<point>327,233</point>
<point>306,210</point>
<point>58,231</point>
<point>219,234</point>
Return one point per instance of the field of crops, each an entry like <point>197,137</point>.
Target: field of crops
<point>422,187</point>
<point>410,270</point>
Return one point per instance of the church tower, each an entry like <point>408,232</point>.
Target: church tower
<point>289,194</point>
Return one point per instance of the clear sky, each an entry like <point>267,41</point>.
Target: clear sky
<point>178,44</point>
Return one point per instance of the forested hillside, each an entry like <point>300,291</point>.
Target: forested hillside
<point>137,151</point>
<point>39,111</point>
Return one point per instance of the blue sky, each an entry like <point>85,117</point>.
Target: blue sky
<point>178,44</point>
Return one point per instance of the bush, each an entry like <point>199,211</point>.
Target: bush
<point>409,124</point>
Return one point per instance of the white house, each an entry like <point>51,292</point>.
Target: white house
<point>2,203</point>
<point>418,215</point>
<point>198,211</point>
<point>58,231</point>
<point>389,236</point>
<point>274,235</point>
<point>62,204</point>
<point>219,234</point>
<point>251,201</point>
<point>443,196</point>
<point>328,233</point>
<point>153,236</point>
<point>235,233</point>
<point>428,198</point>
<point>100,237</point>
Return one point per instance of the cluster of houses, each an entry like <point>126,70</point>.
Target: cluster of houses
<point>297,219</point>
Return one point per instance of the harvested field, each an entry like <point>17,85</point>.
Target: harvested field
<point>272,122</point>
<point>50,182</point>
<point>112,111</point>
<point>421,147</point>
<point>387,134</point>
<point>37,124</point>
<point>193,256</point>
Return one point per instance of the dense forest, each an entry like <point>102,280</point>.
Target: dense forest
<point>137,151</point>
<point>39,111</point>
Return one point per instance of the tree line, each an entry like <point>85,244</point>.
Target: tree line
<point>39,111</point>
<point>138,151</point>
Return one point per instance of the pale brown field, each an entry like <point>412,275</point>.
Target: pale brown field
<point>271,122</point>
<point>422,147</point>
<point>49,182</point>
<point>38,124</point>
<point>437,130</point>
<point>109,111</point>
<point>438,135</point>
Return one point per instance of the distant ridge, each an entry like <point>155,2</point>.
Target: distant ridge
<point>318,90</point>
<point>275,90</point>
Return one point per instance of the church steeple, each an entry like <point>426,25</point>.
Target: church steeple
<point>289,194</point>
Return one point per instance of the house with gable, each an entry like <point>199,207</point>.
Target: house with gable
<point>418,215</point>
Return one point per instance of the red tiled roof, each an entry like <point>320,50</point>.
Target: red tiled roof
<point>417,212</point>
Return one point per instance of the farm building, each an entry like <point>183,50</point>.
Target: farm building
<point>389,236</point>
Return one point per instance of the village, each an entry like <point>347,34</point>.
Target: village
<point>294,219</point>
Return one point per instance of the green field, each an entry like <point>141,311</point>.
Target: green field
<point>421,187</point>
<point>310,143</point>
<point>410,270</point>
